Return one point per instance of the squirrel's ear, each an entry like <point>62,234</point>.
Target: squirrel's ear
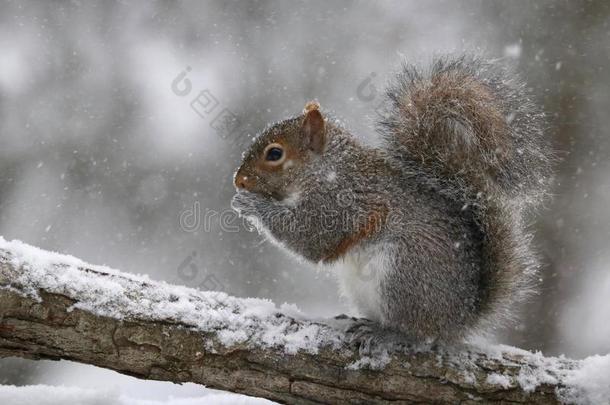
<point>314,128</point>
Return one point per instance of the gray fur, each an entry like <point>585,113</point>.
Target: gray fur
<point>451,191</point>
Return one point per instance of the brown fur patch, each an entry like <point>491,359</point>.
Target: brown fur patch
<point>371,226</point>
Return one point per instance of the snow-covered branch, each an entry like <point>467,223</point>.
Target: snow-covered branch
<point>55,306</point>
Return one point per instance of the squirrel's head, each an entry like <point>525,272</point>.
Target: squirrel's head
<point>269,166</point>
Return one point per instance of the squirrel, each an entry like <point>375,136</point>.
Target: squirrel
<point>428,229</point>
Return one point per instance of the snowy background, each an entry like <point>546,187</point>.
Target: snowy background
<point>102,158</point>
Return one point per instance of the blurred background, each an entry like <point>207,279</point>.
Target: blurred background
<point>121,124</point>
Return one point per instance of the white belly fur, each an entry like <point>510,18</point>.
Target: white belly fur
<point>359,274</point>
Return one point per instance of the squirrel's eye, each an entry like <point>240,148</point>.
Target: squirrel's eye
<point>274,154</point>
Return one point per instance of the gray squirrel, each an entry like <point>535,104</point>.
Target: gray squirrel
<point>427,230</point>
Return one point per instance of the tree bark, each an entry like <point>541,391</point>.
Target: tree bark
<point>45,320</point>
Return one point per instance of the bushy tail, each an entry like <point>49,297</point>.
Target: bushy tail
<point>472,126</point>
<point>468,127</point>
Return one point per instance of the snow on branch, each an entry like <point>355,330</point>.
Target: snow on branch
<point>54,306</point>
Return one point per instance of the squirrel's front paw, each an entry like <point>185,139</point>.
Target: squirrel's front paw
<point>244,202</point>
<point>251,207</point>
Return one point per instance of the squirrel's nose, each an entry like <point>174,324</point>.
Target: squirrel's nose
<point>244,182</point>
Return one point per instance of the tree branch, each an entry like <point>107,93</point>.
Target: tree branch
<point>57,307</point>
